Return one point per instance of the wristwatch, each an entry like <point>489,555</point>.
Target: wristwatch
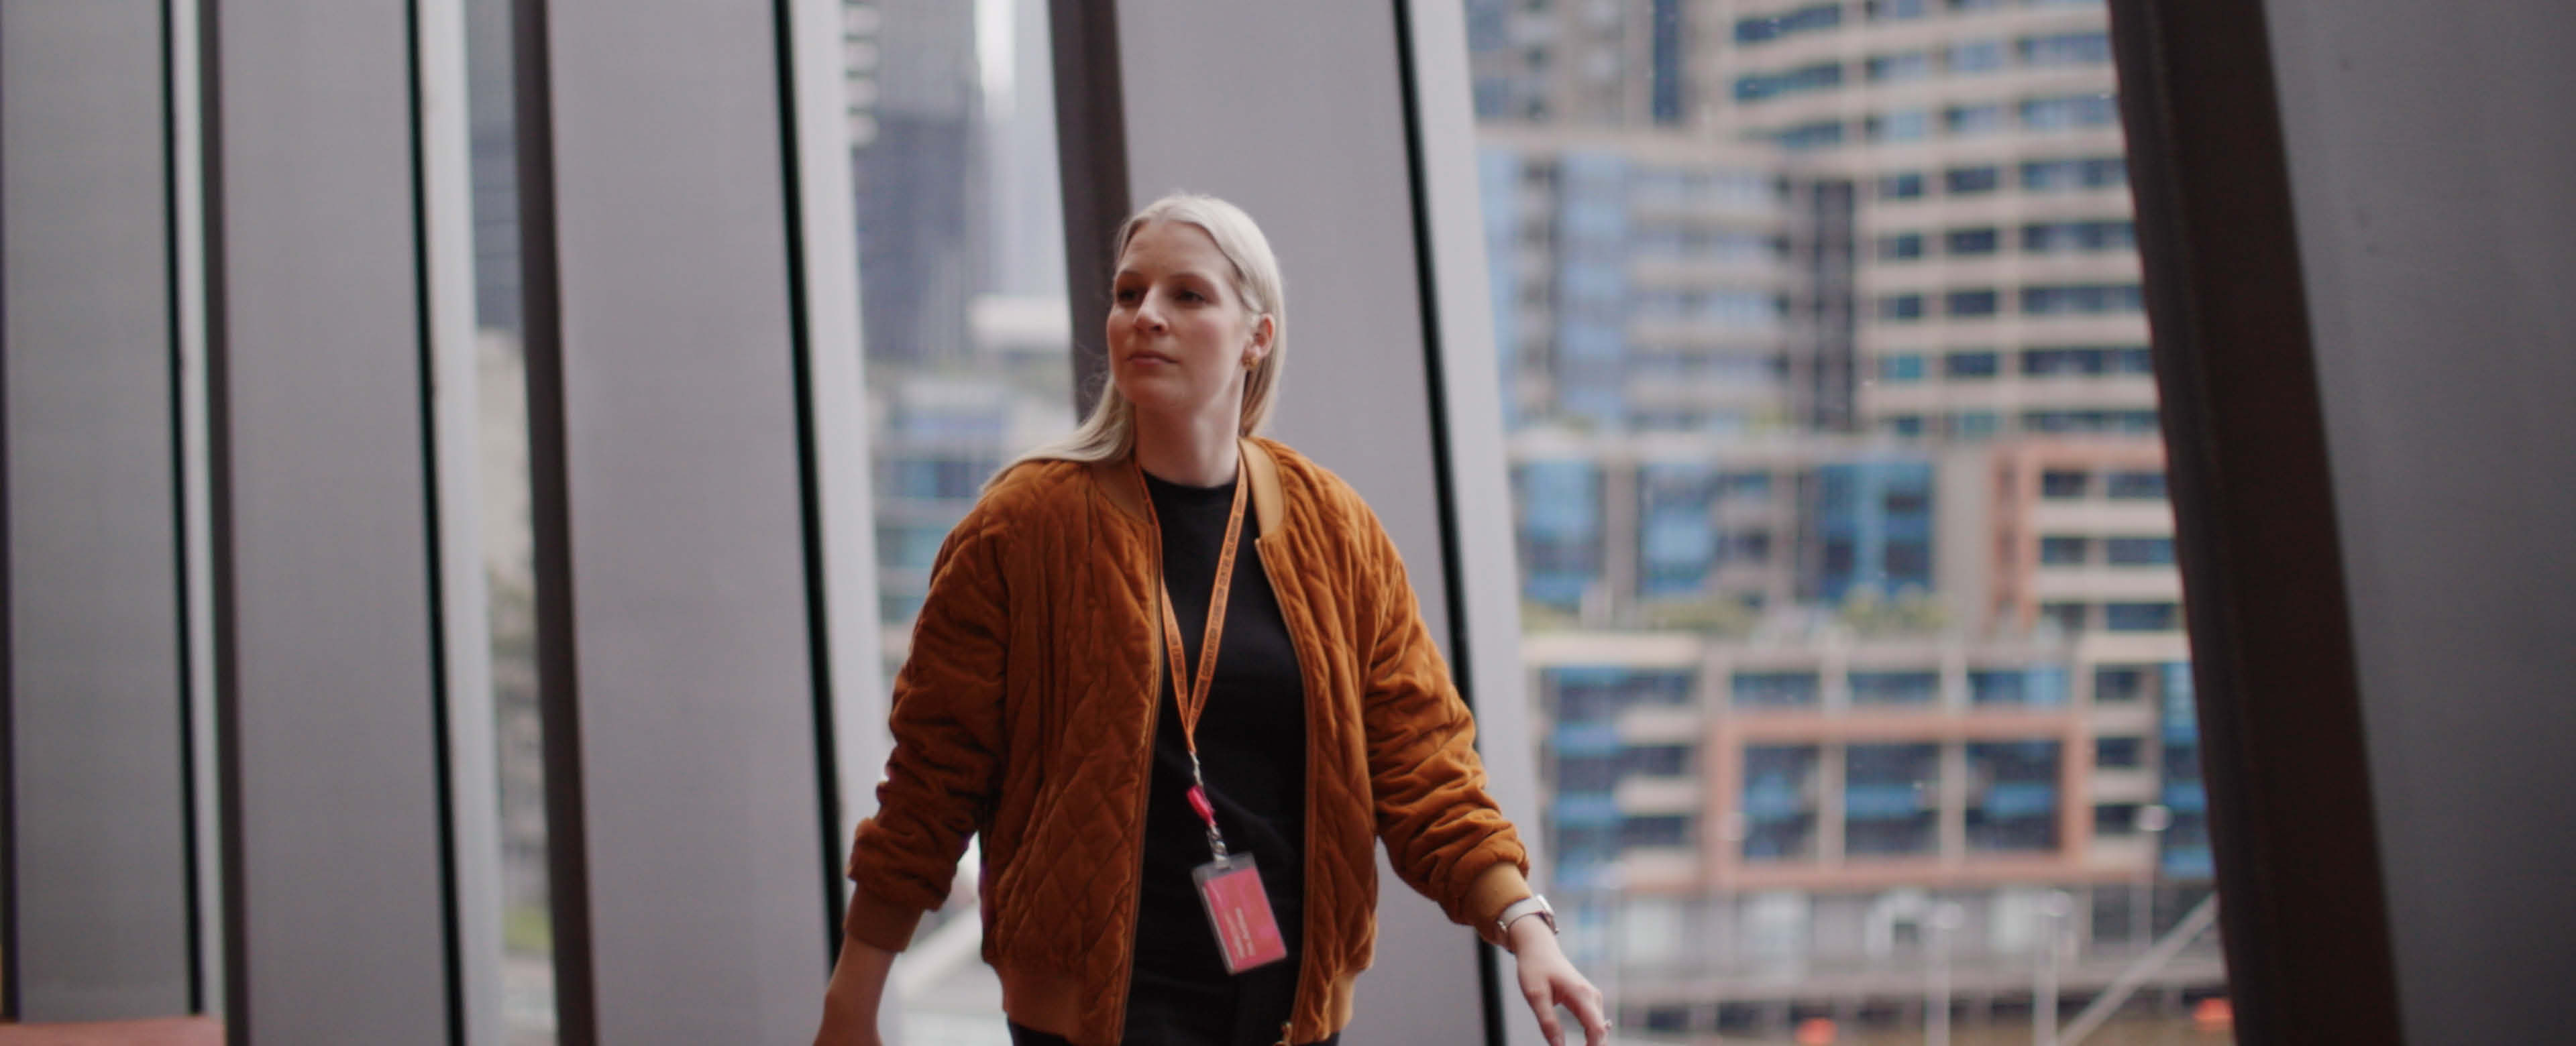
<point>1533,904</point>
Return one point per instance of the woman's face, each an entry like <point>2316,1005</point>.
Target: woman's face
<point>1180,336</point>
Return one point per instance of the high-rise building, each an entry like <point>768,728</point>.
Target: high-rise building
<point>1641,280</point>
<point>1650,529</point>
<point>961,267</point>
<point>1996,277</point>
<point>1997,271</point>
<point>938,435</point>
<point>918,136</point>
<point>494,167</point>
<point>1027,248</point>
<point>1756,817</point>
<point>1602,63</point>
<point>1874,615</point>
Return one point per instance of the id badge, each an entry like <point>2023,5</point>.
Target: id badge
<point>1246,933</point>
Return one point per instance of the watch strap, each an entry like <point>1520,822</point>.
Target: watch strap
<point>1533,904</point>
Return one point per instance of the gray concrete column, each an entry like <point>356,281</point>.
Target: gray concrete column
<point>2354,226</point>
<point>327,646</point>
<point>681,647</point>
<point>95,696</point>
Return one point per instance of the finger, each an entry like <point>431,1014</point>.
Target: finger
<point>1542,1004</point>
<point>1596,1020</point>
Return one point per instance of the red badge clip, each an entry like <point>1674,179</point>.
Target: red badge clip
<point>1199,802</point>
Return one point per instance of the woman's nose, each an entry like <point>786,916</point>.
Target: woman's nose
<point>1149,313</point>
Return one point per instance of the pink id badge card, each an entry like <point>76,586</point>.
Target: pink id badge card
<point>1246,933</point>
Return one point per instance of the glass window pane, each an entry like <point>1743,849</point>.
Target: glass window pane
<point>2141,617</point>
<point>1971,365</point>
<point>509,539</point>
<point>1779,802</point>
<point>1972,242</point>
<point>1976,56</point>
<point>1939,664</point>
<point>2130,551</point>
<point>1777,689</point>
<point>2012,804</point>
<point>2137,486</point>
<point>1895,688</point>
<point>962,296</point>
<point>1972,303</point>
<point>1891,799</point>
<point>1966,181</point>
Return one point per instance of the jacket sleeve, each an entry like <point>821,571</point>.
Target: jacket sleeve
<point>943,774</point>
<point>1443,833</point>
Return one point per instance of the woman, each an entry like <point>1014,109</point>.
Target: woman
<point>1062,701</point>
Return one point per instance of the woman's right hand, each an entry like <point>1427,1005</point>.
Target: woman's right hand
<point>850,1004</point>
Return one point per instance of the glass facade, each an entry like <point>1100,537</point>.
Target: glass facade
<point>1590,757</point>
<point>1677,543</point>
<point>1561,536</point>
<point>1874,520</point>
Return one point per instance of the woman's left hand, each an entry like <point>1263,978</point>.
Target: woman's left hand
<point>1548,981</point>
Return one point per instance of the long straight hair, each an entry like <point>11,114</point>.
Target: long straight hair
<point>1109,433</point>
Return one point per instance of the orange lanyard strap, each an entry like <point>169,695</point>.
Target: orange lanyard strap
<point>1193,700</point>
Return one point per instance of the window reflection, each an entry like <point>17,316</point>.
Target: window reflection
<point>1849,576</point>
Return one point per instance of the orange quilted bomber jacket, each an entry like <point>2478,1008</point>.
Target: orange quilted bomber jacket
<point>1026,713</point>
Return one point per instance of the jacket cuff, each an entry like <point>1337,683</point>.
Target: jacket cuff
<point>1493,890</point>
<point>879,923</point>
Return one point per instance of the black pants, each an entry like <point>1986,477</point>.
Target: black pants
<point>1244,1010</point>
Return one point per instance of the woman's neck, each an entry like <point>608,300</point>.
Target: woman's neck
<point>1193,451</point>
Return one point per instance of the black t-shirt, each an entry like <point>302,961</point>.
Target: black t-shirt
<point>1251,739</point>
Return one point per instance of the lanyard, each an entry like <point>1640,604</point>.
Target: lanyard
<point>1193,699</point>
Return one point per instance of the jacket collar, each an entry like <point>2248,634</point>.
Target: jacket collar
<point>1117,480</point>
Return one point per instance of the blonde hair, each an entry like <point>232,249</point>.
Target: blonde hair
<point>1109,433</point>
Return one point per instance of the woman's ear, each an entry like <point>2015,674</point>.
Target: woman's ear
<point>1258,349</point>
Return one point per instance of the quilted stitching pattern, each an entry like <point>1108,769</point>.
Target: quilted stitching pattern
<point>1025,711</point>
